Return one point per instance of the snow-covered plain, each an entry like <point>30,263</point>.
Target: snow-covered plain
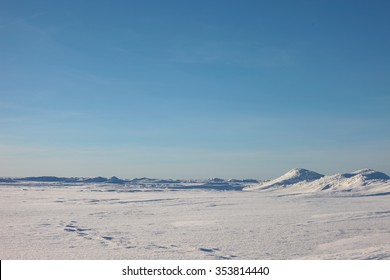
<point>300,215</point>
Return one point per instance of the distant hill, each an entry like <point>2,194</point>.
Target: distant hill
<point>293,176</point>
<point>302,181</point>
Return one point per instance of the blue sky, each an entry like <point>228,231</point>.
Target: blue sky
<point>193,89</point>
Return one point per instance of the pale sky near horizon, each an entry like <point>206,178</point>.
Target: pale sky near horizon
<point>193,89</point>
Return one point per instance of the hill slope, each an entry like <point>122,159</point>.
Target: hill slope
<point>293,176</point>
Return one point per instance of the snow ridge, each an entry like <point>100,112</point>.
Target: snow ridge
<point>364,182</point>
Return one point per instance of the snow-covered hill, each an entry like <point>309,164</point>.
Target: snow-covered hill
<point>294,176</point>
<point>301,181</point>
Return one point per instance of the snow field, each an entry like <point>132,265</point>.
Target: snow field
<point>95,222</point>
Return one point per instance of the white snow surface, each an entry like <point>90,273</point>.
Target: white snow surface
<point>300,215</point>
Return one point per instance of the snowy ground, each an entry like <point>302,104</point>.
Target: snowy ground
<point>105,221</point>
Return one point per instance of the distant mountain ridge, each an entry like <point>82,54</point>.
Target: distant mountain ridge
<point>136,183</point>
<point>294,182</point>
<point>117,180</point>
<point>50,179</point>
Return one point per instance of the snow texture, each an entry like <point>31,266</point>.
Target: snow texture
<point>300,215</point>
